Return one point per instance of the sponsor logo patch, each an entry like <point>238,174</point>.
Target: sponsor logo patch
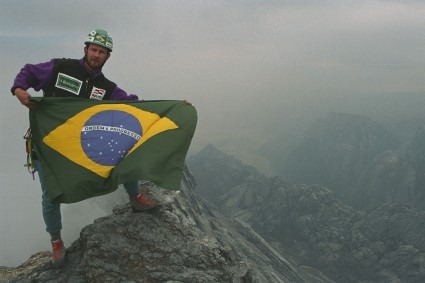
<point>97,93</point>
<point>68,83</point>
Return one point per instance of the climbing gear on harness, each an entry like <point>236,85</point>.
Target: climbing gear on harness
<point>30,153</point>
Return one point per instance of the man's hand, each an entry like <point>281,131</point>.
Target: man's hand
<point>24,97</point>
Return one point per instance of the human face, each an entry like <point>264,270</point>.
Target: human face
<point>96,57</point>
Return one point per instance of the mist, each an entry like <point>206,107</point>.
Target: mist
<point>253,69</point>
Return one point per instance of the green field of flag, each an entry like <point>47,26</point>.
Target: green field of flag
<point>88,147</point>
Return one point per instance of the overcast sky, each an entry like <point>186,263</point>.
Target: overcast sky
<point>242,64</point>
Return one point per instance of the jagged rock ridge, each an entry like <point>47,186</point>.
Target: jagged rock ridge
<point>336,152</point>
<point>185,241</point>
<point>312,228</point>
<point>362,161</point>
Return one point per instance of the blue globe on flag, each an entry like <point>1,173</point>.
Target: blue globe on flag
<point>108,136</point>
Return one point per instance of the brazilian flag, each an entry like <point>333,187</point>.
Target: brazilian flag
<point>88,147</point>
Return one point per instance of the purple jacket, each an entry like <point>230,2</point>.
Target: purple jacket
<point>38,76</point>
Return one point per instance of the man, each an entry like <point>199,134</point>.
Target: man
<point>83,79</point>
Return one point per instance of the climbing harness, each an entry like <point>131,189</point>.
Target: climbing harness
<point>30,153</point>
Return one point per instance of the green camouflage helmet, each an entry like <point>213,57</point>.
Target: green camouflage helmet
<point>100,37</point>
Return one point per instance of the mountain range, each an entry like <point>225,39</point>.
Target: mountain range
<point>312,228</point>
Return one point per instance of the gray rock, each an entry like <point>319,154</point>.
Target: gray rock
<point>184,241</point>
<point>312,228</point>
<point>339,152</point>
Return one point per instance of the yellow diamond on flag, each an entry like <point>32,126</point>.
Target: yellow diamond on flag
<point>99,137</point>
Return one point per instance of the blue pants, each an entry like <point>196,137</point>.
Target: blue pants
<point>51,211</point>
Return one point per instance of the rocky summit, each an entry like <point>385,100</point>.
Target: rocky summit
<point>184,241</point>
<point>253,228</point>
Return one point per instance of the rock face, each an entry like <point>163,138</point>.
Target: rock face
<point>185,241</point>
<point>337,152</point>
<point>311,227</point>
<point>362,161</point>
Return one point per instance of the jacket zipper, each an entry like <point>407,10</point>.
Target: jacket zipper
<point>86,92</point>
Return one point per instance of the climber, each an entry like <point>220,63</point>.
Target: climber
<point>82,79</point>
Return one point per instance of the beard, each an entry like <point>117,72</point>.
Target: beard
<point>93,63</point>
